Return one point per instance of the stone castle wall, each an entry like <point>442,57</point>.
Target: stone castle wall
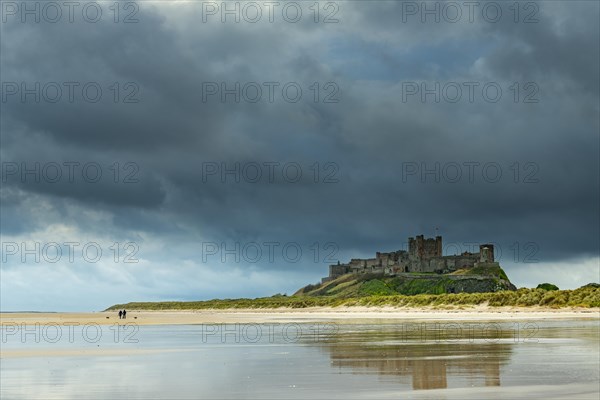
<point>423,255</point>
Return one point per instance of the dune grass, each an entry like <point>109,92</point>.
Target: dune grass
<point>584,297</point>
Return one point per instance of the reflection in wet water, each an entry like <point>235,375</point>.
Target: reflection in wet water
<point>558,360</point>
<point>427,357</point>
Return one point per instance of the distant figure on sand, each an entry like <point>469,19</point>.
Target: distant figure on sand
<point>124,314</point>
<point>120,314</point>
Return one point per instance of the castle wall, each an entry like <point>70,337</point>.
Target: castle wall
<point>338,270</point>
<point>391,258</point>
<point>371,262</point>
<point>436,264</point>
<point>356,265</point>
<point>442,264</point>
<point>423,255</point>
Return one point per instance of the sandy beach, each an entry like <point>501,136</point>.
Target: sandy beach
<point>339,314</point>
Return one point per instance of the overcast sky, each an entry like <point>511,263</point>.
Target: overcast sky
<point>212,158</point>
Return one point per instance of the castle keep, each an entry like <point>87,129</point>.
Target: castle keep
<point>423,255</point>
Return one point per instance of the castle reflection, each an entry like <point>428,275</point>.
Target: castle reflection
<point>429,361</point>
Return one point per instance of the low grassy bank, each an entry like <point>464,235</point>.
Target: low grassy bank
<point>585,297</point>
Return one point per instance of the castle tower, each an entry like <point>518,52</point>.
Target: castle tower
<point>438,244</point>
<point>415,248</point>
<point>420,248</point>
<point>486,253</point>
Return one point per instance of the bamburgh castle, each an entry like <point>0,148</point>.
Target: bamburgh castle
<point>423,255</point>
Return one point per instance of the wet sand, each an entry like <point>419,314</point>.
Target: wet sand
<point>372,353</point>
<point>80,352</point>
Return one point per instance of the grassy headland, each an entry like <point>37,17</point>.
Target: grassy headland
<point>472,280</point>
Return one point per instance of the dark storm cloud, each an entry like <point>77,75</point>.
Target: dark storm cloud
<point>105,55</point>
<point>371,135</point>
<point>554,50</point>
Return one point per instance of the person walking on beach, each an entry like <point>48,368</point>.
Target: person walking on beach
<point>124,314</point>
<point>120,314</point>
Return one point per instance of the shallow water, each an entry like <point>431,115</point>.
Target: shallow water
<point>558,359</point>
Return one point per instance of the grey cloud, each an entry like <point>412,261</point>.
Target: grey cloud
<point>370,133</point>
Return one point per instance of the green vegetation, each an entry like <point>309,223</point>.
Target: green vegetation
<point>483,270</point>
<point>592,285</point>
<point>486,278</point>
<point>586,297</point>
<point>547,286</point>
<point>375,287</point>
<point>421,286</point>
